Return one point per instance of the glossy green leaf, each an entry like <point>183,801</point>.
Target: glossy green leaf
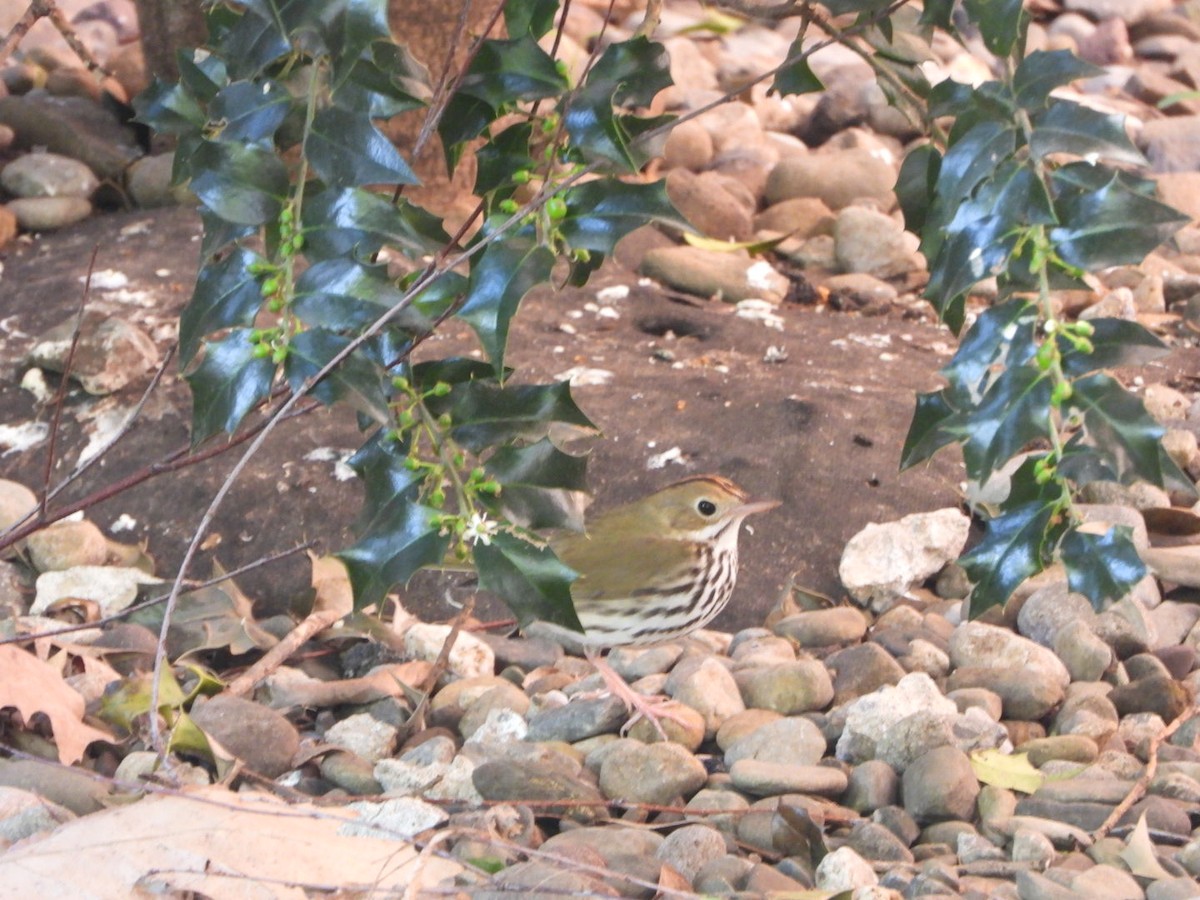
<point>201,73</point>
<point>1101,566</point>
<point>1025,489</point>
<point>531,580</point>
<point>389,486</point>
<point>1111,226</point>
<point>355,380</point>
<point>219,234</point>
<point>1072,128</point>
<point>485,415</point>
<point>500,278</point>
<point>354,221</point>
<point>245,185</point>
<point>502,73</point>
<point>501,158</point>
<point>341,294</point>
<point>229,382</point>
<point>248,111</point>
<point>927,433</point>
<point>1119,426</point>
<point>1014,411</point>
<point>532,17</point>
<point>938,13</point>
<point>345,148</point>
<point>1011,551</point>
<point>601,212</point>
<point>1115,343</point>
<point>542,487</point>
<point>169,108</point>
<point>1001,22</point>
<point>226,294</point>
<point>251,44</point>
<point>798,77</point>
<point>385,81</point>
<point>1042,71</point>
<point>915,184</point>
<point>1002,333</point>
<point>627,74</point>
<point>391,551</point>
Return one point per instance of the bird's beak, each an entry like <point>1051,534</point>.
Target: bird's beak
<point>755,506</point>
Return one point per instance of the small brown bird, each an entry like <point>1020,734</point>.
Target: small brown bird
<point>655,570</point>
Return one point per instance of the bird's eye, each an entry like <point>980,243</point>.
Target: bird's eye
<point>706,507</point>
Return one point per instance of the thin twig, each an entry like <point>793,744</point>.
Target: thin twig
<point>60,397</point>
<point>1143,783</point>
<point>420,284</point>
<point>155,601</point>
<point>417,720</point>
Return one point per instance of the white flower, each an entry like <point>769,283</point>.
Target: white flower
<point>480,529</point>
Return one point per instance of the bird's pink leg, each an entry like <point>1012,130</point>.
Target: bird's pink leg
<point>652,709</point>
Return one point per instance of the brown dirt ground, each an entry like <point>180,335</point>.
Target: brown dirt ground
<point>820,431</point>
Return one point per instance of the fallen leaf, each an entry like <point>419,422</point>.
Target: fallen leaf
<point>32,687</point>
<point>214,843</point>
<point>1139,854</point>
<point>1007,770</point>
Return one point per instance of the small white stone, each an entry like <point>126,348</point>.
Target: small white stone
<point>469,658</point>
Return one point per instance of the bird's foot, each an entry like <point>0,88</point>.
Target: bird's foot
<point>652,709</point>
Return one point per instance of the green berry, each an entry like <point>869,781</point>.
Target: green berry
<point>261,351</point>
<point>406,418</point>
<point>1045,355</point>
<point>556,209</point>
<point>444,420</point>
<point>441,389</point>
<point>1062,393</point>
<point>509,206</point>
<point>437,498</point>
<point>522,176</point>
<point>400,383</point>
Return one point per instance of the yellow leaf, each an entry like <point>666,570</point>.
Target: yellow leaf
<point>712,244</point>
<point>1006,770</point>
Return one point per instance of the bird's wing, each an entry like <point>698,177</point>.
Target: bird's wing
<point>617,567</point>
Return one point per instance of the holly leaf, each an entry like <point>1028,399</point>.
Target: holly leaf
<point>1119,426</point>
<point>1101,566</point>
<point>485,415</point>
<point>343,294</point>
<point>500,278</point>
<point>927,433</point>
<point>532,17</point>
<point>248,111</point>
<point>1115,343</point>
<point>403,537</point>
<point>169,108</point>
<point>601,212</point>
<point>797,77</point>
<point>534,583</point>
<point>1071,128</point>
<point>1042,71</point>
<point>629,73</point>
<point>347,221</point>
<point>1014,411</point>
<point>1109,226</point>
<point>999,21</point>
<point>345,148</point>
<point>1010,552</point>
<point>245,185</point>
<point>355,379</point>
<point>229,382</point>
<point>542,487</point>
<point>503,73</point>
<point>226,294</point>
<point>1003,332</point>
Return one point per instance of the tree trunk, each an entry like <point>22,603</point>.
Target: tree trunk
<point>166,26</point>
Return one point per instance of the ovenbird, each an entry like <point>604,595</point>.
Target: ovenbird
<point>656,569</point>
